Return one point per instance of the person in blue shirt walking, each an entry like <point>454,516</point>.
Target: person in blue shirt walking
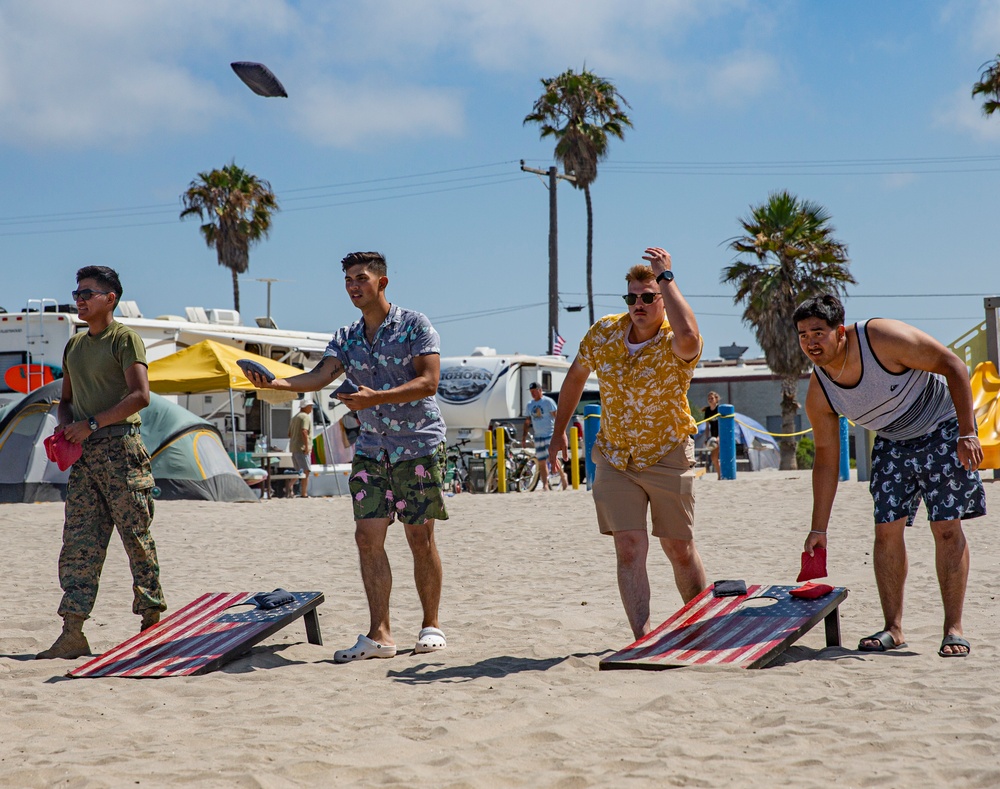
<point>540,413</point>
<point>393,356</point>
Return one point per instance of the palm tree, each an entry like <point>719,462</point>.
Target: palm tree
<point>989,85</point>
<point>581,111</point>
<point>238,206</point>
<point>793,255</point>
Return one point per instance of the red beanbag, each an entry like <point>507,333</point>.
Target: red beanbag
<point>811,590</point>
<point>813,566</point>
<point>61,451</point>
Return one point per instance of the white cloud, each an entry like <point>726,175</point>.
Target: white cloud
<point>338,114</point>
<point>986,27</point>
<point>740,77</point>
<point>960,112</point>
<point>525,35</point>
<point>109,73</point>
<point>896,181</point>
<point>114,73</point>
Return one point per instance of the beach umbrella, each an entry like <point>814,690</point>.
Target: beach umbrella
<point>259,79</point>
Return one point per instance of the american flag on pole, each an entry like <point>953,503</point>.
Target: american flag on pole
<point>731,631</point>
<point>202,636</point>
<point>557,343</point>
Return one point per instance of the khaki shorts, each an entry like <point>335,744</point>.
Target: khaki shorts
<point>666,488</point>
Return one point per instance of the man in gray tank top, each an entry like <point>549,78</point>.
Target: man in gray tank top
<point>914,393</point>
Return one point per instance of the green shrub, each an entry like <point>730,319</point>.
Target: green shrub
<point>805,453</point>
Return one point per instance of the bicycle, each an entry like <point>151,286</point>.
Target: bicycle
<point>521,467</point>
<point>456,476</point>
<point>522,473</point>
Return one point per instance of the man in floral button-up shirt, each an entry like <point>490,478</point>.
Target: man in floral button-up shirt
<point>644,360</point>
<point>392,356</point>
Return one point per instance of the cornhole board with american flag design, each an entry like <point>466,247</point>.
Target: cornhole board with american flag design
<point>739,631</point>
<point>203,636</point>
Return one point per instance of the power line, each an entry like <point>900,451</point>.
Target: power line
<point>401,177</point>
<point>833,167</point>
<point>103,213</point>
<point>850,296</point>
<point>465,316</point>
<point>288,211</point>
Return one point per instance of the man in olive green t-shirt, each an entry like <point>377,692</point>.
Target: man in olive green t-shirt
<point>105,385</point>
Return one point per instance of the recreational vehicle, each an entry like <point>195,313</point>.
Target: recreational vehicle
<point>34,340</point>
<point>486,387</point>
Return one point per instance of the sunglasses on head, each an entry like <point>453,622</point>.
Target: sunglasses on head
<point>647,298</point>
<point>87,294</point>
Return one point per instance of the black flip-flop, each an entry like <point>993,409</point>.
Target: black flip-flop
<point>951,640</point>
<point>885,642</point>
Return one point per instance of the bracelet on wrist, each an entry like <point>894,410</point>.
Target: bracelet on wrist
<point>962,438</point>
<point>816,531</point>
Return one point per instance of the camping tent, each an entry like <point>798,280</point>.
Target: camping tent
<point>188,458</point>
<point>761,447</point>
<point>209,366</point>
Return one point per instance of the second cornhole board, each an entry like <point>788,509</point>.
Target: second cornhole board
<point>736,631</point>
<point>203,636</point>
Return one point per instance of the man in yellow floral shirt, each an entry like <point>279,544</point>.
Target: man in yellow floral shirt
<point>644,360</point>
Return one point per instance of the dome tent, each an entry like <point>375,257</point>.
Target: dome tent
<point>188,457</point>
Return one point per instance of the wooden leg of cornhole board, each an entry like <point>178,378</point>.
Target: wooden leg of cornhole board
<point>314,636</point>
<point>832,625</point>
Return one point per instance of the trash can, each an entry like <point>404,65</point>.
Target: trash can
<point>477,475</point>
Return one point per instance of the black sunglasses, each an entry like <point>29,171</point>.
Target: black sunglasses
<point>647,298</point>
<point>87,294</point>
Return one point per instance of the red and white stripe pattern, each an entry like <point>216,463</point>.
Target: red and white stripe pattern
<point>193,638</point>
<point>713,630</point>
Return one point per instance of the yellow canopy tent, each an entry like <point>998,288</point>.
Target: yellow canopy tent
<point>209,366</point>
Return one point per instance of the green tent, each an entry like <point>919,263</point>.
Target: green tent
<point>189,460</point>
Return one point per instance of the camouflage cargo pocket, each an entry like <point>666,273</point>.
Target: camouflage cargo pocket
<point>138,471</point>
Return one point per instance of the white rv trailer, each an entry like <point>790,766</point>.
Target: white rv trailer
<point>39,333</point>
<point>485,386</point>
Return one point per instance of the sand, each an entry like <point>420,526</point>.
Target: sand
<point>530,606</point>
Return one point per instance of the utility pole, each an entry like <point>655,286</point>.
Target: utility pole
<point>269,281</point>
<point>554,177</point>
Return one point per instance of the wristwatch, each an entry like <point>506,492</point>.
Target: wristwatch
<point>665,276</point>
<point>92,423</point>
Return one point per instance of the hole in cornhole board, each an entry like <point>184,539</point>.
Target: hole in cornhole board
<point>759,602</point>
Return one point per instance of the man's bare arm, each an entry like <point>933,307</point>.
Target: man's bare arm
<point>569,398</point>
<point>424,384</point>
<point>323,374</point>
<point>684,325</point>
<point>899,345</point>
<point>826,466</point>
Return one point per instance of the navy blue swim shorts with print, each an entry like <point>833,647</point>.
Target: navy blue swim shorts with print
<point>927,467</point>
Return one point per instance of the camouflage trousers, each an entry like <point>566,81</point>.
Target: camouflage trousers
<point>110,487</point>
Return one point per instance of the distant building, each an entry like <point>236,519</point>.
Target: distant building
<point>748,385</point>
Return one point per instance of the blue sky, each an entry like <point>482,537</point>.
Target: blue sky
<point>402,133</point>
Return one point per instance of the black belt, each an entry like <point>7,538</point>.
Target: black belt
<point>114,431</point>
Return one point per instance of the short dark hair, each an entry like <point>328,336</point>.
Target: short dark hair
<point>373,261</point>
<point>827,308</point>
<point>103,276</point>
